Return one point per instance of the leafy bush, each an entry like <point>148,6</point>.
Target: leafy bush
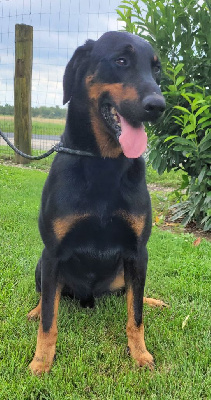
<point>189,149</point>
<point>178,29</point>
<point>182,138</point>
<point>194,147</point>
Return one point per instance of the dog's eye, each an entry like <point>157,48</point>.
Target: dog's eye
<point>157,69</point>
<point>121,61</point>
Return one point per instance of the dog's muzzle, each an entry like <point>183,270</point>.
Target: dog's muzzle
<point>153,105</point>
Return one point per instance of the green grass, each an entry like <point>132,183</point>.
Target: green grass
<point>91,361</point>
<point>167,179</point>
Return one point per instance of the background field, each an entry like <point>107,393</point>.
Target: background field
<point>91,360</point>
<point>40,126</point>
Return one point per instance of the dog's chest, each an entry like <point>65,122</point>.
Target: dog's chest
<point>100,202</point>
<point>96,207</point>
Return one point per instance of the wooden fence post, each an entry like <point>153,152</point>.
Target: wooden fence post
<point>22,89</point>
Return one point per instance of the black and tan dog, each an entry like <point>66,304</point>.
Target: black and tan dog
<point>95,217</point>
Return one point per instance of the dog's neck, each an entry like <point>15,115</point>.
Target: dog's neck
<point>78,133</point>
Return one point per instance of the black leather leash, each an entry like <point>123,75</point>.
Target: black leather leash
<point>58,148</point>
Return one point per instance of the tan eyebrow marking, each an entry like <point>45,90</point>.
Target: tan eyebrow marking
<point>118,91</point>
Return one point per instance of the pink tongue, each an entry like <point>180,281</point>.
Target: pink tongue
<point>133,140</point>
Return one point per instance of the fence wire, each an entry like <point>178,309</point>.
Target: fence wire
<point>59,26</point>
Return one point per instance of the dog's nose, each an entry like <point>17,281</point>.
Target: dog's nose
<point>154,106</point>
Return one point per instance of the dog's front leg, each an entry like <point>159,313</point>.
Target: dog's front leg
<point>135,274</point>
<point>47,332</point>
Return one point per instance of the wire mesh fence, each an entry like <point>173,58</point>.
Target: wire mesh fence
<point>59,26</point>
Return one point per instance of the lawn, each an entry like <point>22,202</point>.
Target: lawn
<point>91,361</point>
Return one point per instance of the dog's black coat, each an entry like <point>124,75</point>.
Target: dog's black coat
<point>85,255</point>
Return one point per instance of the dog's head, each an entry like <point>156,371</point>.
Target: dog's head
<point>120,73</point>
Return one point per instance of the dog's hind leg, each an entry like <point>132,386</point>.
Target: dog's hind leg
<point>34,314</point>
<point>88,302</point>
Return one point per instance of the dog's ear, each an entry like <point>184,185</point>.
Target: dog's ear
<point>79,58</point>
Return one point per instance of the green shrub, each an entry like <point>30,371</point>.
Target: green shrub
<point>194,144</point>
<point>178,29</point>
<point>182,138</point>
<point>189,149</point>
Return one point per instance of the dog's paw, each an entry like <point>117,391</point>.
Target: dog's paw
<point>146,360</point>
<point>39,367</point>
<point>154,302</point>
<point>34,314</point>
<point>88,302</point>
<point>143,359</point>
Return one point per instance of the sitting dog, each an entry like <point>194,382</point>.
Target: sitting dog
<point>95,217</point>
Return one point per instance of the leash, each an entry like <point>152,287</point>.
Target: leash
<point>58,148</point>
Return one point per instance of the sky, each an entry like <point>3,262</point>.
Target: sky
<point>59,27</point>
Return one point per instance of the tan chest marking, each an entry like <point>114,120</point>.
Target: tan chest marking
<point>62,226</point>
<point>136,222</point>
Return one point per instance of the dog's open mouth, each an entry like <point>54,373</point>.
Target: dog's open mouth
<point>112,118</point>
<point>132,140</point>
